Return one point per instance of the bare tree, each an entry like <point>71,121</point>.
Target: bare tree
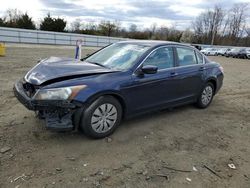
<point>152,30</point>
<point>109,28</point>
<point>187,36</point>
<point>132,28</point>
<point>237,20</point>
<point>208,24</point>
<point>248,31</point>
<point>76,25</point>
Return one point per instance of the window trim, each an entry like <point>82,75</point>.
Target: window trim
<point>177,58</point>
<point>195,51</point>
<point>196,54</point>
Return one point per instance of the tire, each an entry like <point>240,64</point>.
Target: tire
<point>101,118</point>
<point>206,96</point>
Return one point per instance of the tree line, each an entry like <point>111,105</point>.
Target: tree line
<point>215,26</point>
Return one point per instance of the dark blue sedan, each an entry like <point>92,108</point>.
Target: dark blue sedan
<point>119,81</point>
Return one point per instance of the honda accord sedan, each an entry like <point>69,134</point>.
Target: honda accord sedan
<point>119,81</point>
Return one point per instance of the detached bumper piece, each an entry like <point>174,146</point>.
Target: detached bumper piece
<point>57,113</point>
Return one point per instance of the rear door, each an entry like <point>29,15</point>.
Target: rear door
<point>189,73</point>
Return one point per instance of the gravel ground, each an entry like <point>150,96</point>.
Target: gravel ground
<point>141,150</point>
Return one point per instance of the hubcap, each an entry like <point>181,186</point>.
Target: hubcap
<point>104,118</point>
<point>207,95</point>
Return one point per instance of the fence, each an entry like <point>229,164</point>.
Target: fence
<point>13,35</point>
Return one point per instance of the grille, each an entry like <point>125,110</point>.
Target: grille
<point>29,89</point>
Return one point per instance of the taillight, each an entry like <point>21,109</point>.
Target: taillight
<point>221,69</point>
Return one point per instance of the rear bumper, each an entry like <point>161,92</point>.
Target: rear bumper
<point>219,82</point>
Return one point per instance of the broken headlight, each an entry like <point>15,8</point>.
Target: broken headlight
<point>63,93</point>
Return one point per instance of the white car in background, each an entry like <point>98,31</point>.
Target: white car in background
<point>209,51</point>
<point>248,53</point>
<point>223,51</point>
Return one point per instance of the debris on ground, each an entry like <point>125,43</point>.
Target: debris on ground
<point>195,169</point>
<point>72,158</point>
<point>188,179</point>
<point>5,149</point>
<point>145,172</point>
<point>19,177</point>
<point>85,179</point>
<point>248,178</point>
<point>211,170</point>
<point>99,172</point>
<point>108,139</point>
<point>162,175</point>
<point>58,169</point>
<point>179,170</point>
<point>97,184</point>
<point>232,166</point>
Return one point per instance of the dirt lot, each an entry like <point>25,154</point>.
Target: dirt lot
<point>141,149</point>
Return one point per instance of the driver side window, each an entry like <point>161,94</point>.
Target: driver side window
<point>162,57</point>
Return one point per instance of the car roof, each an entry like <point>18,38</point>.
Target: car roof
<point>154,43</point>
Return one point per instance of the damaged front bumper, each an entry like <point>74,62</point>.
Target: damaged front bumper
<point>57,113</point>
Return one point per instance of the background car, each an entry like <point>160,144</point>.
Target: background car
<point>210,51</point>
<point>227,53</point>
<point>204,50</point>
<point>223,51</point>
<point>243,53</point>
<point>248,53</point>
<point>233,53</point>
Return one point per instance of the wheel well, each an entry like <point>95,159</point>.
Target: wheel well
<point>116,96</point>
<point>214,83</point>
<point>121,100</point>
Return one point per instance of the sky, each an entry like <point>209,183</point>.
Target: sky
<point>143,13</point>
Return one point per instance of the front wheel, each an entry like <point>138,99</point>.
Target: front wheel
<point>206,96</point>
<point>102,117</point>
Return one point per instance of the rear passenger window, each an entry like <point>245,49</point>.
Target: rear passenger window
<point>162,58</point>
<point>199,58</point>
<point>186,56</point>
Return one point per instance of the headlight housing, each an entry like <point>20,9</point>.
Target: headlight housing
<point>63,93</point>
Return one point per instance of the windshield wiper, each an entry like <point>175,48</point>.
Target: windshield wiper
<point>99,64</point>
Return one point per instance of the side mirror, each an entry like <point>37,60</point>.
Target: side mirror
<point>149,69</point>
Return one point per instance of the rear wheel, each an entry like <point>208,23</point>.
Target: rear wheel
<point>102,117</point>
<point>206,96</point>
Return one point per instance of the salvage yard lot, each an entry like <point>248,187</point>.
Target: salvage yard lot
<point>139,153</point>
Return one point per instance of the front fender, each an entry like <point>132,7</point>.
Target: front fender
<point>89,95</point>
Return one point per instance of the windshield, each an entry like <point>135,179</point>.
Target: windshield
<point>235,50</point>
<point>120,56</point>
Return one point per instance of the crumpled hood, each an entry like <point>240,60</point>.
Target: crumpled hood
<point>56,68</point>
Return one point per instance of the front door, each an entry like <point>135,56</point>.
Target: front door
<point>152,90</point>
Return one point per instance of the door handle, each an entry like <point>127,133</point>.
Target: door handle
<point>202,68</point>
<point>173,74</point>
